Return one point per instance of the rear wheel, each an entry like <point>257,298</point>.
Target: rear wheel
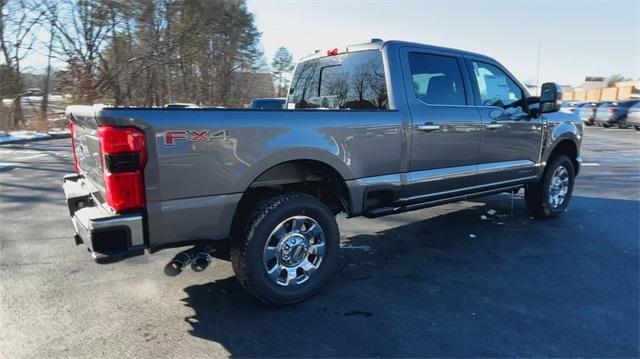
<point>287,250</point>
<point>622,123</point>
<point>637,128</point>
<point>550,196</point>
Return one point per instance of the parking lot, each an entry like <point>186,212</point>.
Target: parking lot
<point>439,282</point>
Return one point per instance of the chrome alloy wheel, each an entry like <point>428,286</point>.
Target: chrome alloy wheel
<point>294,251</point>
<point>559,187</point>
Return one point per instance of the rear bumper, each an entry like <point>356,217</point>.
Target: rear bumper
<point>109,237</point>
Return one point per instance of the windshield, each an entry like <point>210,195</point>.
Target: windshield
<point>352,81</point>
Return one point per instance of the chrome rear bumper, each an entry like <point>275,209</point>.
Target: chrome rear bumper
<point>108,236</point>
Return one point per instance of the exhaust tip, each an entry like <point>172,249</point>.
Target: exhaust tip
<point>173,268</point>
<point>201,262</point>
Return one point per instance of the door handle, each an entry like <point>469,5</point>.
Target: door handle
<point>493,125</point>
<point>429,127</point>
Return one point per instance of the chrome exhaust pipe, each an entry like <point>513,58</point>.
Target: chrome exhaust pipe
<point>199,257</point>
<point>201,262</point>
<point>178,263</point>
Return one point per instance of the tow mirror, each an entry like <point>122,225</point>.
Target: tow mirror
<point>550,97</point>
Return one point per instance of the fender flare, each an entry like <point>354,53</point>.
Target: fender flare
<point>289,155</point>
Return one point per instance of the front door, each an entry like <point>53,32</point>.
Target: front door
<point>445,126</point>
<point>511,138</point>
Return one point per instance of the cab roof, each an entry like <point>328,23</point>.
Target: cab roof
<point>378,44</point>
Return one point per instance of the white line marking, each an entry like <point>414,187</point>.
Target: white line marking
<point>593,164</point>
<point>36,156</point>
<point>6,164</point>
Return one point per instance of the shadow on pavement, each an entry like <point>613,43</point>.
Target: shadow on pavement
<point>520,287</point>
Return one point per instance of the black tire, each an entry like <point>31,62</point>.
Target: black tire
<point>622,123</point>
<point>247,249</point>
<point>637,128</point>
<point>537,194</point>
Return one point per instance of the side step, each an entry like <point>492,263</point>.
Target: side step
<point>379,211</point>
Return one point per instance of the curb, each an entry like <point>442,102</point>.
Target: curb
<point>51,137</point>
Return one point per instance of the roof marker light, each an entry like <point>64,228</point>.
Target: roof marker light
<point>332,52</point>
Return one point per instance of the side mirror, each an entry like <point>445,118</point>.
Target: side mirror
<point>550,97</point>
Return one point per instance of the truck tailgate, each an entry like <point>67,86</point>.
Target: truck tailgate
<point>85,142</point>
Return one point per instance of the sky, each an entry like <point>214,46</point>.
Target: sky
<point>577,39</point>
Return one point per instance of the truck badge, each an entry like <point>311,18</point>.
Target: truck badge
<point>170,137</point>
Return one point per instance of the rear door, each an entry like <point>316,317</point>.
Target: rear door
<point>511,138</point>
<point>445,126</point>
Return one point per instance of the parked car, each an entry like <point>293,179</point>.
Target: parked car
<point>614,113</point>
<point>408,126</point>
<point>587,112</point>
<point>571,106</point>
<point>633,117</point>
<point>268,103</point>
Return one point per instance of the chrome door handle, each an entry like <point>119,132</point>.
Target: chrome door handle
<point>493,125</point>
<point>429,127</point>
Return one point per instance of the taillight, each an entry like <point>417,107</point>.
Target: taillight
<point>611,109</point>
<point>72,130</point>
<point>124,155</point>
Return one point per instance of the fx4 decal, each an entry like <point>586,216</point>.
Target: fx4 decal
<point>170,137</point>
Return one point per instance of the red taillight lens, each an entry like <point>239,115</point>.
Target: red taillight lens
<point>72,130</point>
<point>124,155</point>
<point>332,52</point>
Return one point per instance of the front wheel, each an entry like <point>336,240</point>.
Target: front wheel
<point>287,250</point>
<point>550,196</point>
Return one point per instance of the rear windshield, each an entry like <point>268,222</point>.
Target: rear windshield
<point>354,81</point>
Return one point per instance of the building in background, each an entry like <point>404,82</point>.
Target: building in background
<point>596,89</point>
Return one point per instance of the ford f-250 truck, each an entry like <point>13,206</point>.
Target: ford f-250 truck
<point>375,129</point>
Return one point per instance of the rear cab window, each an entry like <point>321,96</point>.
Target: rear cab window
<point>352,81</point>
<point>437,79</point>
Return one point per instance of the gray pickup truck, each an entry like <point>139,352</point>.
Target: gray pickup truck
<point>375,129</point>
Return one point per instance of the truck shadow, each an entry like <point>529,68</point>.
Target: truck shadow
<point>410,289</point>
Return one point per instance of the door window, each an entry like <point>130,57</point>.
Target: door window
<point>436,79</point>
<point>495,87</point>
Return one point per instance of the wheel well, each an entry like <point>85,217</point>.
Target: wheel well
<point>307,176</point>
<point>569,148</point>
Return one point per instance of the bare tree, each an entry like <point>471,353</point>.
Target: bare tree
<point>17,21</point>
<point>84,28</point>
<point>282,65</point>
<point>52,19</point>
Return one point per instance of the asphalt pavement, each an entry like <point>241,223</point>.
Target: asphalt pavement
<point>439,282</point>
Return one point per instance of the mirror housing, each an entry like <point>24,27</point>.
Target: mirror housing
<point>550,97</point>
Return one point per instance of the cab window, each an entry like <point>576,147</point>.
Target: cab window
<point>354,81</point>
<point>436,79</point>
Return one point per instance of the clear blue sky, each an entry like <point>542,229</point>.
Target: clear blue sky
<point>578,38</point>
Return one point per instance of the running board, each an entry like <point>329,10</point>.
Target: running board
<point>383,211</point>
